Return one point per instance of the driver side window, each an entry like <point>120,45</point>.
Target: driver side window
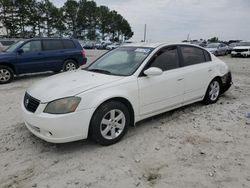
<point>166,59</point>
<point>32,46</point>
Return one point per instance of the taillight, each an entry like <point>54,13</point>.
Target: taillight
<point>84,59</point>
<point>83,53</point>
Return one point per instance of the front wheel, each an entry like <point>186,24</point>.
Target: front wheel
<point>109,123</point>
<point>213,92</point>
<point>6,74</point>
<point>69,65</point>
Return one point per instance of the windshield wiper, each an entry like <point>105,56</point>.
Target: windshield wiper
<point>100,71</point>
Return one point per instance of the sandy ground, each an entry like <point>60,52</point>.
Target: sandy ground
<point>195,146</point>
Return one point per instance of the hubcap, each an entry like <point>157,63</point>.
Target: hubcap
<point>4,75</point>
<point>112,124</point>
<point>70,66</point>
<point>214,90</point>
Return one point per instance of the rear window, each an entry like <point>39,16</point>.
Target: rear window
<point>68,44</point>
<point>192,55</point>
<point>52,45</point>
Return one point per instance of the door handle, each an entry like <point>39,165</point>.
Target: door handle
<point>180,79</point>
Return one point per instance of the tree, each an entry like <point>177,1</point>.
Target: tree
<point>103,20</point>
<point>214,39</point>
<point>70,13</point>
<point>81,19</point>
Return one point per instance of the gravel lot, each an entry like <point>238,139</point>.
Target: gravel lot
<point>194,146</point>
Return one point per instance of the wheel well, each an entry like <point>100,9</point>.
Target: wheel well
<point>128,105</point>
<point>218,78</point>
<point>10,66</point>
<point>75,60</point>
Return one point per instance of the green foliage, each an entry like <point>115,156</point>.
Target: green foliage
<point>214,39</point>
<point>81,19</point>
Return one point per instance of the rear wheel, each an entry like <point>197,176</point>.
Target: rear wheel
<point>213,92</point>
<point>6,74</point>
<point>69,65</point>
<point>109,123</point>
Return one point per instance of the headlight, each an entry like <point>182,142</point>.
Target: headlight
<point>62,106</point>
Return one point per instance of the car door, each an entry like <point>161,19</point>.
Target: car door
<point>30,57</point>
<point>159,93</point>
<point>198,71</point>
<point>54,53</point>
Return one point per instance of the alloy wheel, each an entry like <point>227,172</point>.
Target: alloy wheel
<point>70,66</point>
<point>5,75</point>
<point>214,90</point>
<point>112,124</point>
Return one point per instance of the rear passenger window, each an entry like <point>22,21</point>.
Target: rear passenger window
<point>166,59</point>
<point>68,44</point>
<point>52,44</point>
<point>207,55</point>
<point>192,55</point>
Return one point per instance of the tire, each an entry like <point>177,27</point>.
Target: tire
<point>105,128</point>
<point>213,92</point>
<point>216,53</point>
<point>69,65</point>
<point>6,74</point>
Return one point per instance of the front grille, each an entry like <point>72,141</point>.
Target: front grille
<point>240,50</point>
<point>30,103</point>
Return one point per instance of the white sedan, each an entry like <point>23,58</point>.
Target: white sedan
<point>126,85</point>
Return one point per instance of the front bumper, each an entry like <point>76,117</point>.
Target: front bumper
<point>58,128</point>
<point>240,54</point>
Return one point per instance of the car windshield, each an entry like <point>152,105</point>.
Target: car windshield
<point>14,46</point>
<point>244,44</point>
<point>212,45</point>
<point>122,61</point>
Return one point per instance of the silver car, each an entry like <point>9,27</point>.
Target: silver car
<point>217,48</point>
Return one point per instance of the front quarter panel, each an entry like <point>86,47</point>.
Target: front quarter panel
<point>126,88</point>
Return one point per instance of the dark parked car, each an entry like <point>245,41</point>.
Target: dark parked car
<point>39,55</point>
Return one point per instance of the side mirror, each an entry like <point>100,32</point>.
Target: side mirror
<point>20,51</point>
<point>153,71</point>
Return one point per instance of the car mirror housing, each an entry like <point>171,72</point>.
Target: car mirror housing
<point>20,51</point>
<point>153,71</point>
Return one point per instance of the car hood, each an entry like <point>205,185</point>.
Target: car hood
<point>241,47</point>
<point>68,84</point>
<point>211,49</point>
<point>6,55</point>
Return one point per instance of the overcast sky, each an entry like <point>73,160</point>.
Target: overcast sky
<point>173,20</point>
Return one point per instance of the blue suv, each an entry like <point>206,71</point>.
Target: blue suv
<point>39,55</point>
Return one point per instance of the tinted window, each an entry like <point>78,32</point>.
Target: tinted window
<point>192,55</point>
<point>68,44</point>
<point>207,55</point>
<point>32,46</point>
<point>52,45</point>
<point>166,59</point>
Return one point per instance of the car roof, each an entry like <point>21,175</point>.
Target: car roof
<point>47,38</point>
<point>155,45</point>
